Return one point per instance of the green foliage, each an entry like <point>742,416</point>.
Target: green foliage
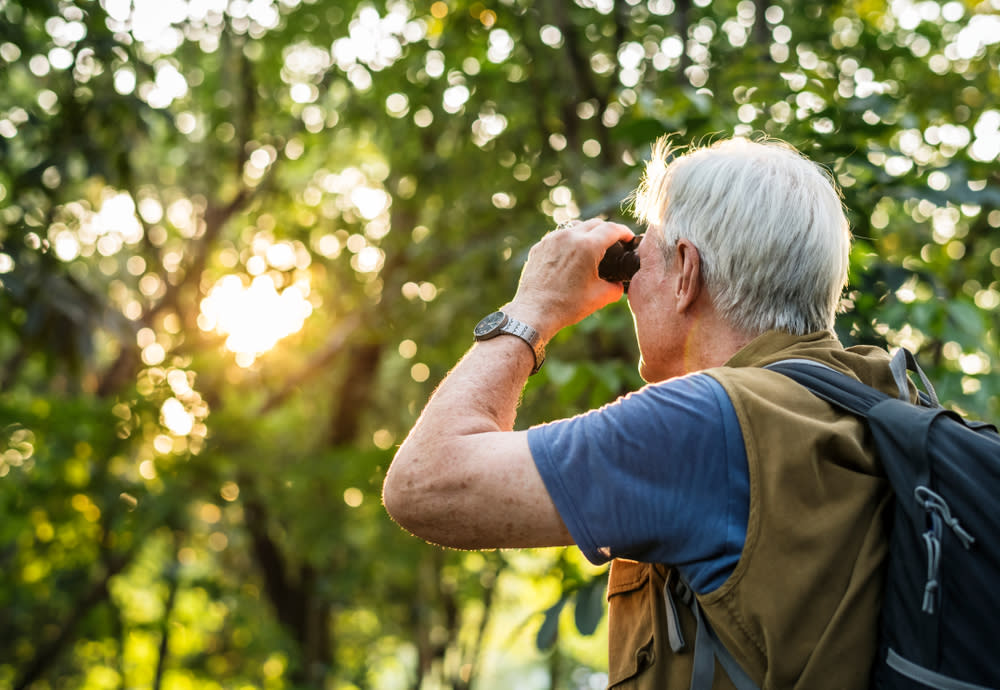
<point>190,483</point>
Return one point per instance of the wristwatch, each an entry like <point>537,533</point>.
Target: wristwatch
<point>499,323</point>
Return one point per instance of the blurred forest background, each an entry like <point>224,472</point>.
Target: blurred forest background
<point>241,240</point>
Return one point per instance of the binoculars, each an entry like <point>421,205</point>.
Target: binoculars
<point>620,261</point>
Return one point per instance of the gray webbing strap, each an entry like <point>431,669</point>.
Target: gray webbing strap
<point>904,361</point>
<point>707,646</point>
<point>703,667</point>
<point>674,633</point>
<point>927,677</point>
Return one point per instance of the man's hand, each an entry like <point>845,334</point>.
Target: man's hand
<point>559,285</point>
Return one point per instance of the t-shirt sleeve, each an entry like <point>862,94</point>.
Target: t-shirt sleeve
<point>658,476</point>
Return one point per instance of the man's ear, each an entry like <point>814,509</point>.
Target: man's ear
<point>688,264</point>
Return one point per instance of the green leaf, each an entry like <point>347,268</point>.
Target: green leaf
<point>549,630</point>
<point>967,320</point>
<point>590,605</point>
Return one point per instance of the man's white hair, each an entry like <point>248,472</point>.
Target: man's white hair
<point>769,226</point>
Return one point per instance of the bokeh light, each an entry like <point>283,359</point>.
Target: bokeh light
<point>253,317</point>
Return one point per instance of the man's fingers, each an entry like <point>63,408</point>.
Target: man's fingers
<point>579,225</point>
<point>608,232</point>
<point>605,233</point>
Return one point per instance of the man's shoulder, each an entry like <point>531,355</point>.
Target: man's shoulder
<point>694,391</point>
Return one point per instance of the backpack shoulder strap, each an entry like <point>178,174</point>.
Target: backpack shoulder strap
<point>836,388</point>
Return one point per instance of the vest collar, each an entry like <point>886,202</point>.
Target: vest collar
<point>767,345</point>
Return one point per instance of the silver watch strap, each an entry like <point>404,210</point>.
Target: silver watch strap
<point>528,335</point>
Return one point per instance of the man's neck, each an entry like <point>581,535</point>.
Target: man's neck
<point>711,342</point>
<point>707,343</point>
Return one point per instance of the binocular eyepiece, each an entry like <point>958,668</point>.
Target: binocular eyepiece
<point>620,261</point>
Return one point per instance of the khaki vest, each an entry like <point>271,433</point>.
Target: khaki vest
<point>801,608</point>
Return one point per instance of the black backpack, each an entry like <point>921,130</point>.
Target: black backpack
<point>940,618</point>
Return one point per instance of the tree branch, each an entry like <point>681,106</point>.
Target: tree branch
<point>47,652</point>
<point>320,359</point>
<point>161,659</point>
<point>355,392</point>
<point>473,657</point>
<point>682,21</point>
<point>216,218</point>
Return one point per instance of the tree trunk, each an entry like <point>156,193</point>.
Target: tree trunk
<point>355,392</point>
<point>302,612</point>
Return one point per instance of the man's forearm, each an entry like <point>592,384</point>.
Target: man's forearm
<point>480,394</point>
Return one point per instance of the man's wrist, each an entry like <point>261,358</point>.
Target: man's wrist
<point>536,318</point>
<point>503,323</point>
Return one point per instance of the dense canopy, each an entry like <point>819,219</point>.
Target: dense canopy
<point>241,240</point>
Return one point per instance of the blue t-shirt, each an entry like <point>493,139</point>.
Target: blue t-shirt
<point>658,476</point>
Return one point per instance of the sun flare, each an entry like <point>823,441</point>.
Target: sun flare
<point>254,317</point>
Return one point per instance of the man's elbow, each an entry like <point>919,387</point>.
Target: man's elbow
<point>405,495</point>
<point>394,496</point>
<point>420,505</point>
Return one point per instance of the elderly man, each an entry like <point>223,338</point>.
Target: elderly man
<point>719,477</point>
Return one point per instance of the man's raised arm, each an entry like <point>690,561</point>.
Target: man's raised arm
<point>462,477</point>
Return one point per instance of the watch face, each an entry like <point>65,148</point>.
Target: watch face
<point>490,324</point>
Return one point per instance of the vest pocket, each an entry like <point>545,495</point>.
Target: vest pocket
<point>631,642</point>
